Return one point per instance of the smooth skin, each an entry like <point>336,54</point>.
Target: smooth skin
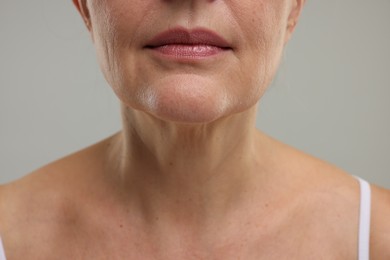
<point>189,176</point>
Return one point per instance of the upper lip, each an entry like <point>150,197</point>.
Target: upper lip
<point>188,37</point>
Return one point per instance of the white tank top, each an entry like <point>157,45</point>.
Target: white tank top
<point>364,223</point>
<point>364,220</point>
<point>2,253</point>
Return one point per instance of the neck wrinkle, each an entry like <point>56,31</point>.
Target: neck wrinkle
<point>187,172</point>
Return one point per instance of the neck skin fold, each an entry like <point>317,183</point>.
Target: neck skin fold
<point>190,174</point>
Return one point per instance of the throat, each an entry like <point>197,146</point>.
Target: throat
<point>194,174</point>
<point>187,185</point>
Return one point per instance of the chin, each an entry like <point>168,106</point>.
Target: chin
<point>187,99</point>
<point>193,112</point>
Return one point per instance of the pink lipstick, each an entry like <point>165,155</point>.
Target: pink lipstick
<point>180,43</point>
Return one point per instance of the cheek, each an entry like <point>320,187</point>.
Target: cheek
<point>120,29</point>
<point>115,31</point>
<point>264,38</point>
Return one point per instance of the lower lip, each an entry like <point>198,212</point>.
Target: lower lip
<point>189,51</point>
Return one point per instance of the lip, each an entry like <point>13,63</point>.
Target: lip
<point>188,44</point>
<point>181,36</point>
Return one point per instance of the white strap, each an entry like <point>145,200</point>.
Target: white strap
<point>2,253</point>
<point>364,220</point>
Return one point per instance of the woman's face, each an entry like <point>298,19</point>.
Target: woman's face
<point>187,74</point>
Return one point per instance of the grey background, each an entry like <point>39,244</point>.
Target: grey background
<point>330,97</point>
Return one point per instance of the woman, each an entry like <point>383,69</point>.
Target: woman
<point>189,176</point>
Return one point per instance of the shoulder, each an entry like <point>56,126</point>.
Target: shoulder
<point>49,204</point>
<point>35,209</point>
<point>57,181</point>
<point>46,190</point>
<point>40,195</point>
<point>380,223</point>
<point>327,198</point>
<point>52,193</point>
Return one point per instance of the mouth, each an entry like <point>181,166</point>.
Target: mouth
<point>182,43</point>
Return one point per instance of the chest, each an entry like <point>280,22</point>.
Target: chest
<point>288,243</point>
<point>302,233</point>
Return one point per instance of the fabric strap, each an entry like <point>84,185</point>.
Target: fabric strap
<point>2,253</point>
<point>364,220</point>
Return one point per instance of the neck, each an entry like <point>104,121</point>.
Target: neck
<point>188,172</point>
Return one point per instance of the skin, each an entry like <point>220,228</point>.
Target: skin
<point>189,176</point>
